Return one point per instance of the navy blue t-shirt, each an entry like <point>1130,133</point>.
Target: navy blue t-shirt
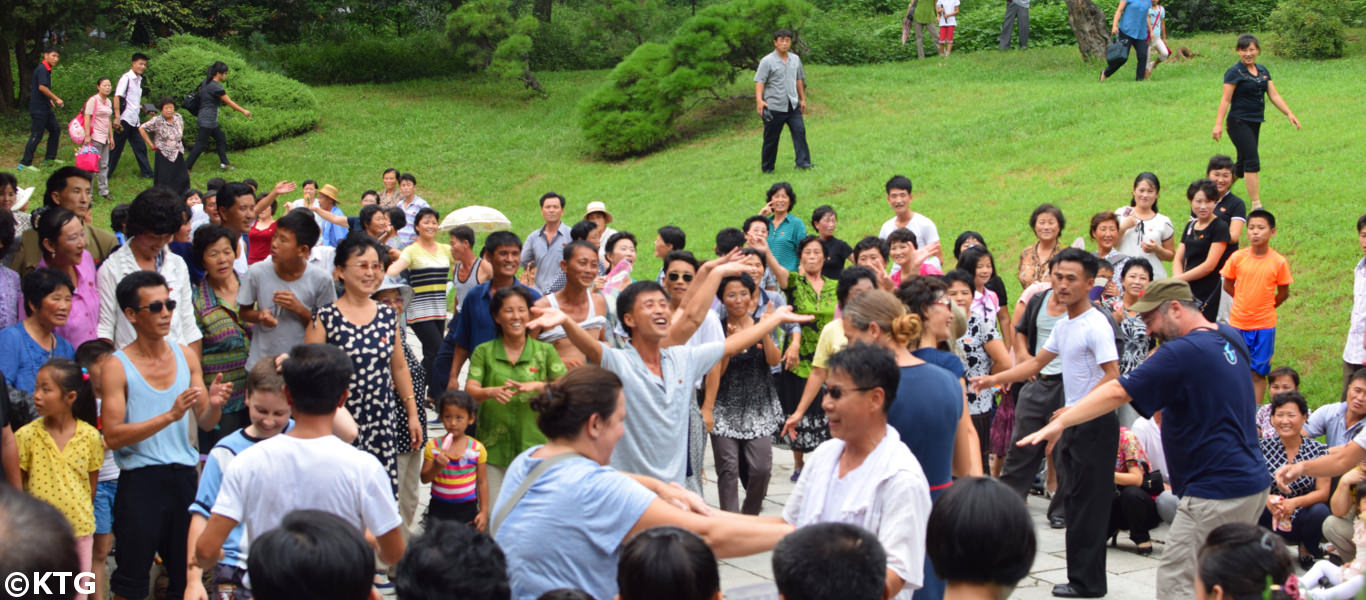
<point>939,358</point>
<point>929,402</point>
<point>471,327</point>
<point>38,104</point>
<point>1201,382</point>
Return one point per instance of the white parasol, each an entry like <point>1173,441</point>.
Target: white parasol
<point>481,219</point>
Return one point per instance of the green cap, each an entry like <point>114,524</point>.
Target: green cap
<point>1162,291</point>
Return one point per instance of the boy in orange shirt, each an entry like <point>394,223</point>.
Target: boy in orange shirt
<point>1259,280</point>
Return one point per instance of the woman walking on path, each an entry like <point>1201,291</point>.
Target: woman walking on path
<point>1131,25</point>
<point>211,94</point>
<point>1247,86</point>
<point>98,111</point>
<point>165,134</point>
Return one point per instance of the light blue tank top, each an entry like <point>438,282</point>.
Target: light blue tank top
<point>171,445</point>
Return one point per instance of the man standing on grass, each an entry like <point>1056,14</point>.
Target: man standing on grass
<point>545,245</point>
<point>128,107</point>
<point>41,99</point>
<point>780,98</point>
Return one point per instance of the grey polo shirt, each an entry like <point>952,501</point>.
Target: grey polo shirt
<point>546,254</point>
<point>780,80</point>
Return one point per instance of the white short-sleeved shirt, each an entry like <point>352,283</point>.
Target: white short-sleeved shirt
<point>114,325</point>
<point>1157,229</point>
<point>923,228</point>
<point>130,89</point>
<point>282,474</point>
<point>947,6</point>
<point>1084,344</point>
<point>1352,351</point>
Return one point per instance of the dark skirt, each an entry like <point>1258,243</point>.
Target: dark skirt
<point>172,174</point>
<point>813,428</point>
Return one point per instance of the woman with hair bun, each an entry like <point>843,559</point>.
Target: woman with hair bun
<point>1241,561</point>
<point>568,527</point>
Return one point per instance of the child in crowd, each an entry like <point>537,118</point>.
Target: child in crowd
<point>1105,286</point>
<point>455,466</point>
<point>269,412</point>
<point>281,295</point>
<point>667,562</point>
<point>1344,581</point>
<point>909,257</point>
<point>948,20</point>
<point>1157,36</point>
<point>1280,380</point>
<point>1242,560</point>
<point>60,452</point>
<point>1258,278</point>
<point>90,356</point>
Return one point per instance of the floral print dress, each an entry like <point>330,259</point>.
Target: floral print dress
<point>813,428</point>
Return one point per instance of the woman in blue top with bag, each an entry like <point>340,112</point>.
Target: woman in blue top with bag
<point>1131,25</point>
<point>1247,86</point>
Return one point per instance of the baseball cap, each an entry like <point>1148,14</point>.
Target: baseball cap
<point>1162,291</point>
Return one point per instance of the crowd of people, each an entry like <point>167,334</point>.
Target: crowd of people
<point>239,385</point>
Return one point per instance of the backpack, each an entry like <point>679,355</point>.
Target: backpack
<point>192,101</point>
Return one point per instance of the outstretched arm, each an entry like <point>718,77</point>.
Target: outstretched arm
<point>750,336</point>
<point>547,318</point>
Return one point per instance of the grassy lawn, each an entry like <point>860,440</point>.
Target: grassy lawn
<point>985,137</point>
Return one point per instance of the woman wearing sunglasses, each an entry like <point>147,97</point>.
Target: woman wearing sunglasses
<point>578,300</point>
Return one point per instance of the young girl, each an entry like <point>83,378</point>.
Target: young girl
<point>455,466</point>
<point>1157,36</point>
<point>1201,253</point>
<point>1143,231</point>
<point>667,562</point>
<point>90,356</point>
<point>60,452</point>
<point>1346,580</point>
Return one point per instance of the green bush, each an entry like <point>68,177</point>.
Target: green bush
<point>634,111</point>
<point>489,38</point>
<point>371,59</point>
<point>280,107</point>
<point>842,38</point>
<point>1307,29</point>
<point>863,7</point>
<point>598,34</point>
<point>979,25</point>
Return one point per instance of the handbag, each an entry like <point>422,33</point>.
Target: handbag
<point>1117,53</point>
<point>1153,483</point>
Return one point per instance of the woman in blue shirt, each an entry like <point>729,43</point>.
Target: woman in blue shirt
<point>1131,25</point>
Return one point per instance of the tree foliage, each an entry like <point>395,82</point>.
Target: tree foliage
<point>634,111</point>
<point>1307,29</point>
<point>487,35</point>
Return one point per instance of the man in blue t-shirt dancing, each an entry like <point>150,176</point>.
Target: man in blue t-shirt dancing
<point>1198,377</point>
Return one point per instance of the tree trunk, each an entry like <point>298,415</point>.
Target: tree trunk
<point>542,10</point>
<point>9,102</point>
<point>1088,25</point>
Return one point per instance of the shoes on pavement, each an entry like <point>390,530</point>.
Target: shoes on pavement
<point>1065,590</point>
<point>1057,522</point>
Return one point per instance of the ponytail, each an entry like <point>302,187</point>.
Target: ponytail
<point>72,377</point>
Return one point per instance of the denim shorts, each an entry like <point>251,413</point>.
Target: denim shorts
<point>104,505</point>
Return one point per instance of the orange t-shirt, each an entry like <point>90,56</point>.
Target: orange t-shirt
<point>1254,293</point>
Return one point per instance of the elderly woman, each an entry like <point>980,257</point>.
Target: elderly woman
<point>167,131</point>
<point>812,294</point>
<point>1047,224</point>
<point>30,343</point>
<point>62,239</point>
<point>1133,508</point>
<point>568,527</point>
<point>1133,279</point>
<point>785,230</point>
<point>1297,515</point>
<point>226,339</point>
<point>505,374</point>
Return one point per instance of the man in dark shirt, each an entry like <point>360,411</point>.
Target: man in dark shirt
<point>40,101</point>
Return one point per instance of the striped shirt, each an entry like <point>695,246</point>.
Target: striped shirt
<point>226,344</point>
<point>456,481</point>
<point>428,274</point>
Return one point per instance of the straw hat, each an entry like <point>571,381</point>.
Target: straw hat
<point>331,192</point>
<point>597,206</point>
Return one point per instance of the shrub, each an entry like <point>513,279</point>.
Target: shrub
<point>842,38</point>
<point>487,37</point>
<point>369,59</point>
<point>598,34</point>
<point>634,111</point>
<point>979,26</point>
<point>863,7</point>
<point>1307,29</point>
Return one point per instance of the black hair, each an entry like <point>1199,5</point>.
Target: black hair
<point>898,182</point>
<point>549,195</point>
<point>960,276</point>
<point>368,212</point>
<point>39,283</point>
<point>920,293</point>
<point>300,222</point>
<point>101,80</point>
<point>626,301</point>
<point>830,560</point>
<point>214,69</point>
<point>164,100</point>
<point>408,177</point>
<point>50,49</point>
<point>849,278</point>
<point>137,56</point>
<point>157,211</point>
<point>785,187</point>
<point>498,239</point>
<point>872,242</point>
<point>1220,162</point>
<point>390,170</point>
<point>424,211</point>
<point>566,594</point>
<point>1284,372</point>
<point>903,236</point>
<point>57,181</point>
<point>820,212</point>
<point>6,232</point>
<point>1089,263</point>
<point>1247,40</point>
<point>1205,186</point>
<point>72,377</point>
<point>782,33</point>
<point>251,183</point>
<point>752,220</point>
<point>581,230</point>
<point>979,532</point>
<point>128,292</point>
<point>1150,178</point>
<point>1361,222</point>
<point>369,193</point>
<point>617,237</point>
<point>869,366</point>
<point>308,182</point>
<point>972,257</point>
<point>8,180</point>
<point>215,183</point>
<point>965,236</point>
<point>681,255</point>
<point>459,399</point>
<point>673,236</point>
<point>569,249</point>
<point>311,555</point>
<point>667,563</point>
<point>207,235</point>
<point>49,226</point>
<point>1285,398</point>
<point>807,241</point>
<point>1103,217</point>
<point>38,539</point>
<point>568,402</point>
<point>426,573</point>
<point>501,296</point>
<point>89,353</point>
<point>1047,208</point>
<point>1242,558</point>
<point>316,376</point>
<point>118,218</point>
<point>397,218</point>
<point>1262,213</point>
<point>466,234</point>
<point>1137,262</point>
<point>230,192</point>
<point>743,279</point>
<point>731,238</point>
<point>355,244</point>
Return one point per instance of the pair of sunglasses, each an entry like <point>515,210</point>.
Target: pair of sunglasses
<point>156,307</point>
<point>675,275</point>
<point>837,393</point>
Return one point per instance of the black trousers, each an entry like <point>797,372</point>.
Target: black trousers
<point>429,333</point>
<point>1244,135</point>
<point>150,518</point>
<point>773,132</point>
<point>202,142</point>
<point>1135,511</point>
<point>45,122</point>
<point>1034,405</point>
<point>1087,486</point>
<point>129,134</point>
<point>1139,46</point>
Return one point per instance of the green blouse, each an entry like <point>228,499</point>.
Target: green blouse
<point>805,301</point>
<point>508,429</point>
